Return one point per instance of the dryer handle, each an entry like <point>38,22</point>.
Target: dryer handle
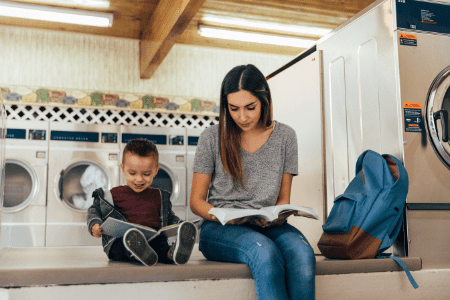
<point>443,116</point>
<point>61,185</point>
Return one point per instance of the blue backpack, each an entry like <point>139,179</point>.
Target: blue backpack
<point>366,219</point>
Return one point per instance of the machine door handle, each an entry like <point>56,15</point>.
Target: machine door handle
<point>61,185</point>
<point>443,116</point>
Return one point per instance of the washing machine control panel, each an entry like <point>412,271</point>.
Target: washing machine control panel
<point>176,140</point>
<point>423,16</point>
<point>12,133</point>
<point>39,135</point>
<point>158,139</point>
<point>109,137</point>
<point>193,140</point>
<point>74,136</point>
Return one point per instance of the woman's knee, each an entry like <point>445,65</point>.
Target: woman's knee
<point>265,255</point>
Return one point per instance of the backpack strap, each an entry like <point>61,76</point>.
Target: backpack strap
<point>404,267</point>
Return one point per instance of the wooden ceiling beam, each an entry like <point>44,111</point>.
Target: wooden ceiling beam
<point>166,24</point>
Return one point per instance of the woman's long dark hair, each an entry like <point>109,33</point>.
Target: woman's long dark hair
<point>249,78</point>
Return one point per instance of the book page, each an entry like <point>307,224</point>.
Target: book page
<point>269,213</point>
<point>172,230</point>
<point>301,210</point>
<point>117,228</point>
<point>226,214</point>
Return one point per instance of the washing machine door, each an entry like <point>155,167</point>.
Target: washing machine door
<point>21,185</point>
<point>437,114</point>
<point>166,179</point>
<point>77,182</point>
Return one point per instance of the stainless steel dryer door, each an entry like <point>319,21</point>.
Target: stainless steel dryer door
<point>77,182</point>
<point>21,185</point>
<point>437,113</point>
<point>167,179</point>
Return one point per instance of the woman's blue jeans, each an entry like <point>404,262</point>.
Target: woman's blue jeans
<point>280,258</point>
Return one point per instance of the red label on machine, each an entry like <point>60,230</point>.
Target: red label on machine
<point>416,105</point>
<point>413,116</point>
<point>408,39</point>
<point>407,36</point>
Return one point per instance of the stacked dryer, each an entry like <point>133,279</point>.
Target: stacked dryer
<point>171,143</point>
<point>82,157</point>
<point>25,182</point>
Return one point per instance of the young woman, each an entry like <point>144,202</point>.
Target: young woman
<point>248,161</point>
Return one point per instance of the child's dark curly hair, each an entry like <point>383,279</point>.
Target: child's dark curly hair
<point>141,147</point>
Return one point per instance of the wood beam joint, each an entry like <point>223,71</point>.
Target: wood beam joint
<point>165,25</point>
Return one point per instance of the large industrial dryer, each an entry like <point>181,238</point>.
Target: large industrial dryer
<point>386,88</point>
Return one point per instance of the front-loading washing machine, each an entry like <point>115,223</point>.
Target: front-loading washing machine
<point>25,184</point>
<point>193,134</point>
<point>386,75</point>
<point>171,144</point>
<point>82,158</point>
<point>2,159</point>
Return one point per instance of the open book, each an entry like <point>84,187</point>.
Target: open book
<point>117,228</point>
<point>269,213</point>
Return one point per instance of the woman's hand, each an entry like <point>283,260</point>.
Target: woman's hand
<point>96,231</point>
<point>281,220</point>
<point>239,221</point>
<point>212,218</point>
<point>258,221</point>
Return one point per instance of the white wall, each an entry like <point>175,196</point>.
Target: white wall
<point>53,59</point>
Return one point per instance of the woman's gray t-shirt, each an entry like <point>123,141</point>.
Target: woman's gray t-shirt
<point>262,173</point>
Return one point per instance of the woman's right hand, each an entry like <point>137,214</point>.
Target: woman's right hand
<point>96,231</point>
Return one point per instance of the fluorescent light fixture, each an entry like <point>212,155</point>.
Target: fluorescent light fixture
<point>55,14</point>
<point>82,3</point>
<point>267,25</point>
<point>221,33</point>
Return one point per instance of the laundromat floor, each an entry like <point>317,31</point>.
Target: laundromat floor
<point>42,266</point>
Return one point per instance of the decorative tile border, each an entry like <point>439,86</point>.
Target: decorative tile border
<point>103,100</point>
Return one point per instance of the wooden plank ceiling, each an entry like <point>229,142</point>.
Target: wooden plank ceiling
<point>159,24</point>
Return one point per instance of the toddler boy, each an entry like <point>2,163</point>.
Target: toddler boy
<point>141,204</point>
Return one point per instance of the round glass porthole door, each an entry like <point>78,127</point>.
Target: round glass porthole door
<point>167,180</point>
<point>78,181</point>
<point>21,185</point>
<point>437,114</point>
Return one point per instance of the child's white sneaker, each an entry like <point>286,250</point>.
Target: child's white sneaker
<point>181,250</point>
<point>135,242</point>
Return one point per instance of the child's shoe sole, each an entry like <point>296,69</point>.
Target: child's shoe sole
<point>187,232</point>
<point>135,242</point>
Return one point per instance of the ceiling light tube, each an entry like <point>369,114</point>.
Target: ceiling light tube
<point>221,33</point>
<point>55,14</point>
<point>81,3</point>
<point>267,25</point>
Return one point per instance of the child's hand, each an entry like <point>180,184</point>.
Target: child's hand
<point>96,231</point>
